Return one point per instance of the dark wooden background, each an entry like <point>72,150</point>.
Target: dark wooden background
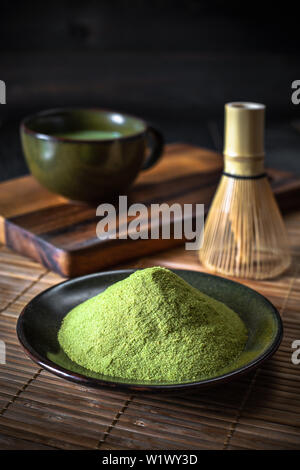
<point>173,63</point>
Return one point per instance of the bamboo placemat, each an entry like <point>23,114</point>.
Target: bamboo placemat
<point>41,411</point>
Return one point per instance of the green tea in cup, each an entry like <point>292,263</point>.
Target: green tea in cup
<point>87,134</point>
<point>90,155</point>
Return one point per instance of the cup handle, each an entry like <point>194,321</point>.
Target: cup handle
<point>157,148</point>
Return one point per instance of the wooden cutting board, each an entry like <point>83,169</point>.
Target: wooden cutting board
<point>61,234</point>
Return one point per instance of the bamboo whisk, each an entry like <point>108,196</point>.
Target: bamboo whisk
<point>244,233</point>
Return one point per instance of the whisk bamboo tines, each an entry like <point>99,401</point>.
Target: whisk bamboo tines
<point>244,233</point>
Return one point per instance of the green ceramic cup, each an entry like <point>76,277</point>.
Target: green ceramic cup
<point>89,155</point>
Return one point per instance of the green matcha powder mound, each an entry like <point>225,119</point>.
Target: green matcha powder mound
<point>153,326</point>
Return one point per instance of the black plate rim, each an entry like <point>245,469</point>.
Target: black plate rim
<point>98,383</point>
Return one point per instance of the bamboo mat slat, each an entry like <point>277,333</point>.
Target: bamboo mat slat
<point>13,443</point>
<point>41,411</point>
<point>189,421</point>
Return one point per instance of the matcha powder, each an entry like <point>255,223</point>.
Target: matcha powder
<point>153,326</point>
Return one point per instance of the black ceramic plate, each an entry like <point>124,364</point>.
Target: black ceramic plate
<point>40,320</point>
